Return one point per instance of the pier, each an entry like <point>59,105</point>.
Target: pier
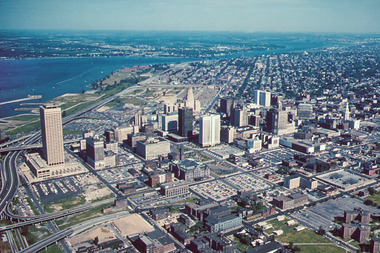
<point>21,99</point>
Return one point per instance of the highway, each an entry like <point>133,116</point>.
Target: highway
<point>10,177</point>
<point>31,146</point>
<point>76,229</point>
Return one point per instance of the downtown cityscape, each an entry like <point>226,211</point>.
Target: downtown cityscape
<point>184,141</point>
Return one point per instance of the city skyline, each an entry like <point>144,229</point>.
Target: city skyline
<point>243,16</point>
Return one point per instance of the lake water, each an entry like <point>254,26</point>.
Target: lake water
<point>52,77</point>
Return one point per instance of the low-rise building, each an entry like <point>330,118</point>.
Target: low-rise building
<point>224,223</point>
<point>189,170</point>
<point>152,148</point>
<point>174,189</point>
<point>291,201</point>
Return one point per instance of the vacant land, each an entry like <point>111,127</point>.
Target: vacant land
<point>291,235</point>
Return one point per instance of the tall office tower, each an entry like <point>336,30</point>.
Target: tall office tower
<point>239,117</point>
<point>185,118</point>
<point>346,114</point>
<point>52,135</point>
<point>137,120</point>
<point>190,99</point>
<point>227,134</point>
<point>209,127</point>
<point>277,121</point>
<point>169,108</point>
<point>226,105</point>
<point>305,111</point>
<point>262,98</point>
<point>191,102</point>
<point>275,99</point>
<point>95,153</point>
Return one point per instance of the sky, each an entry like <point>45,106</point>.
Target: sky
<point>332,16</point>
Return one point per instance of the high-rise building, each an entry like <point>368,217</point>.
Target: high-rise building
<point>226,105</point>
<point>52,134</point>
<point>227,134</point>
<point>346,114</point>
<point>185,119</point>
<point>277,120</point>
<point>209,127</point>
<point>262,98</point>
<point>169,122</point>
<point>305,111</point>
<point>191,102</point>
<point>95,153</point>
<point>239,116</point>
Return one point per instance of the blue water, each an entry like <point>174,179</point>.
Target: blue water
<point>54,77</point>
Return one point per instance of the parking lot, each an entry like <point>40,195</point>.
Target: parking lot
<point>215,190</point>
<point>246,182</point>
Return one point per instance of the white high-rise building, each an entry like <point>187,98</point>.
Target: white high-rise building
<point>52,134</point>
<point>262,98</point>
<point>346,114</point>
<point>209,127</point>
<point>191,102</point>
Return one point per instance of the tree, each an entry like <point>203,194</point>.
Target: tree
<point>243,202</point>
<point>96,240</point>
<point>371,190</point>
<point>321,231</point>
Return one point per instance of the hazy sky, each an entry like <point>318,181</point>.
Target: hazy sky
<point>352,16</point>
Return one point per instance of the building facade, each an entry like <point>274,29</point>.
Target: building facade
<point>52,135</point>
<point>189,170</point>
<point>185,120</point>
<point>95,153</point>
<point>262,98</point>
<point>174,189</point>
<point>209,130</point>
<point>152,148</point>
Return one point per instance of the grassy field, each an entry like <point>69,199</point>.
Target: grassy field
<point>72,220</point>
<point>375,198</point>
<point>240,246</point>
<point>320,249</point>
<point>23,117</point>
<point>291,235</point>
<point>52,249</point>
<point>65,204</point>
<point>25,128</point>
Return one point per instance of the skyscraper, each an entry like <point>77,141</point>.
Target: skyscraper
<point>262,98</point>
<point>185,118</point>
<point>239,116</point>
<point>226,105</point>
<point>209,127</point>
<point>277,120</point>
<point>305,111</point>
<point>190,98</point>
<point>346,114</point>
<point>191,102</point>
<point>52,135</point>
<point>95,153</point>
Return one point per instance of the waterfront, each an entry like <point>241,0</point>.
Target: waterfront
<point>52,77</point>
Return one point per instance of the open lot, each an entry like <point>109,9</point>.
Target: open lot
<point>132,224</point>
<point>291,235</point>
